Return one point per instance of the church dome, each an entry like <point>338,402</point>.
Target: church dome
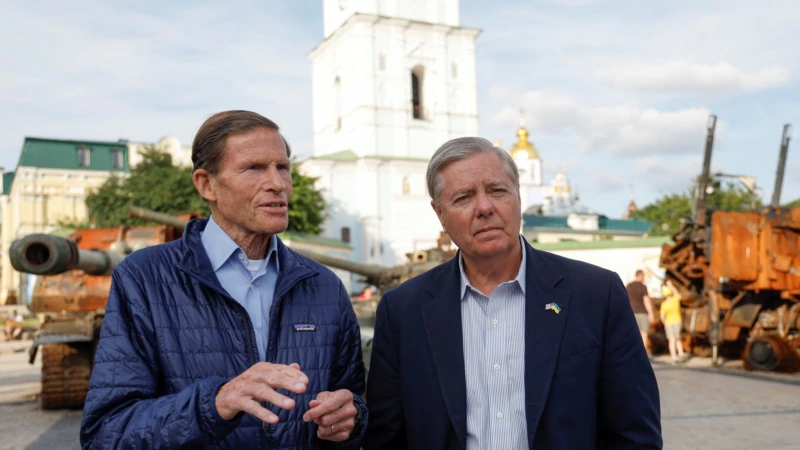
<point>169,144</point>
<point>523,149</point>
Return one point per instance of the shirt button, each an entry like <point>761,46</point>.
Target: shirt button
<point>251,287</point>
<point>499,415</point>
<point>494,322</point>
<point>241,256</point>
<point>496,366</point>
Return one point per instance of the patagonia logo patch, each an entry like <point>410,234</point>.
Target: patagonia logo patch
<point>305,327</point>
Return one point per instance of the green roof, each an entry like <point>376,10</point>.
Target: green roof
<point>603,223</point>
<point>640,226</point>
<point>312,239</point>
<point>533,220</point>
<point>8,180</point>
<point>63,154</point>
<point>351,156</point>
<point>656,241</point>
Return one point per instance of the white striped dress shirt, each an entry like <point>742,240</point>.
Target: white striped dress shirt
<point>494,359</point>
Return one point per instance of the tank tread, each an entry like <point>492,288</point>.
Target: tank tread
<point>65,375</point>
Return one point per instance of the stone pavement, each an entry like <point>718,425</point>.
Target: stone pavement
<point>702,408</point>
<point>23,423</point>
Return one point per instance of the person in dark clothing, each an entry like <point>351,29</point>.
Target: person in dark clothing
<point>642,305</point>
<point>227,338</point>
<point>505,346</point>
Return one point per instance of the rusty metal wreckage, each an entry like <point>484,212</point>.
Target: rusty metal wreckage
<point>739,275</point>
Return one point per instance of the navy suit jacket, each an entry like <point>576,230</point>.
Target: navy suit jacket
<point>588,381</point>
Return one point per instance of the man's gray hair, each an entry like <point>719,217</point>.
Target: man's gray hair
<point>462,148</point>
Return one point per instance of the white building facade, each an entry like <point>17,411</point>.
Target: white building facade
<point>392,81</point>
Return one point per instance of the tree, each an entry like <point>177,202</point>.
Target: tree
<point>666,212</point>
<point>155,183</point>
<point>794,204</point>
<point>306,205</point>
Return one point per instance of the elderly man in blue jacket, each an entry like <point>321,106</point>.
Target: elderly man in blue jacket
<point>227,338</point>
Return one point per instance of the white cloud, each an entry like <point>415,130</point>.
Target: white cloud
<point>607,180</point>
<point>667,175</point>
<point>157,72</point>
<point>622,130</point>
<point>681,76</point>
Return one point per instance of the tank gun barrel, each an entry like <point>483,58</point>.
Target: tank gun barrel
<point>368,271</point>
<point>776,194</point>
<point>166,219</point>
<point>44,254</point>
<point>383,277</point>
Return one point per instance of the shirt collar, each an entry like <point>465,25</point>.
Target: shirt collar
<point>219,246</point>
<point>520,279</point>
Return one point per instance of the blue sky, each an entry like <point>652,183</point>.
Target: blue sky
<point>615,93</point>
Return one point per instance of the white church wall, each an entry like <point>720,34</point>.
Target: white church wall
<point>374,94</point>
<point>624,261</point>
<point>370,111</point>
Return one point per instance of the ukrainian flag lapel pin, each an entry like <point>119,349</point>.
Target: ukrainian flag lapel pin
<point>553,306</point>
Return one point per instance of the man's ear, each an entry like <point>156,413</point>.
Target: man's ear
<point>205,185</point>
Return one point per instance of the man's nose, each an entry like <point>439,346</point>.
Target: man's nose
<point>273,181</point>
<point>483,205</point>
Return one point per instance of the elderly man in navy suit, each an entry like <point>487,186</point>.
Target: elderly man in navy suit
<point>505,346</point>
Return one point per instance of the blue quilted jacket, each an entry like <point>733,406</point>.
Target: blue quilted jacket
<point>172,337</point>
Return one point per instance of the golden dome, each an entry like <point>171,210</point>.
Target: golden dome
<point>523,149</point>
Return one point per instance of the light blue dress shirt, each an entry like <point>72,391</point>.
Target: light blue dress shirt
<point>494,359</point>
<point>249,282</point>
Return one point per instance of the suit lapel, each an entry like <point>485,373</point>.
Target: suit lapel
<point>442,320</point>
<point>543,332</point>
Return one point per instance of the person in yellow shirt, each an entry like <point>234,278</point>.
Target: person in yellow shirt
<point>672,320</point>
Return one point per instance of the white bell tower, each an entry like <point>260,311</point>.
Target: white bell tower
<point>393,78</point>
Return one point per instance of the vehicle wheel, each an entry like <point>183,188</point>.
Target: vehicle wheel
<point>65,375</point>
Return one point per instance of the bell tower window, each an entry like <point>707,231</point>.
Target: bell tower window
<point>417,80</point>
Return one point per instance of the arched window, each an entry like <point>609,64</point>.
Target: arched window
<point>406,185</point>
<point>417,79</point>
<point>337,103</point>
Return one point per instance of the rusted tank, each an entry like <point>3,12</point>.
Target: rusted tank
<point>71,291</point>
<point>739,276</point>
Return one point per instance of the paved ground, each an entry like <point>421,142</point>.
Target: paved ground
<point>702,408</point>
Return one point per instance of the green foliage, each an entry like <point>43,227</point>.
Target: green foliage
<point>153,184</point>
<point>666,212</point>
<point>794,204</point>
<point>306,205</point>
<point>72,224</point>
<point>158,185</point>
